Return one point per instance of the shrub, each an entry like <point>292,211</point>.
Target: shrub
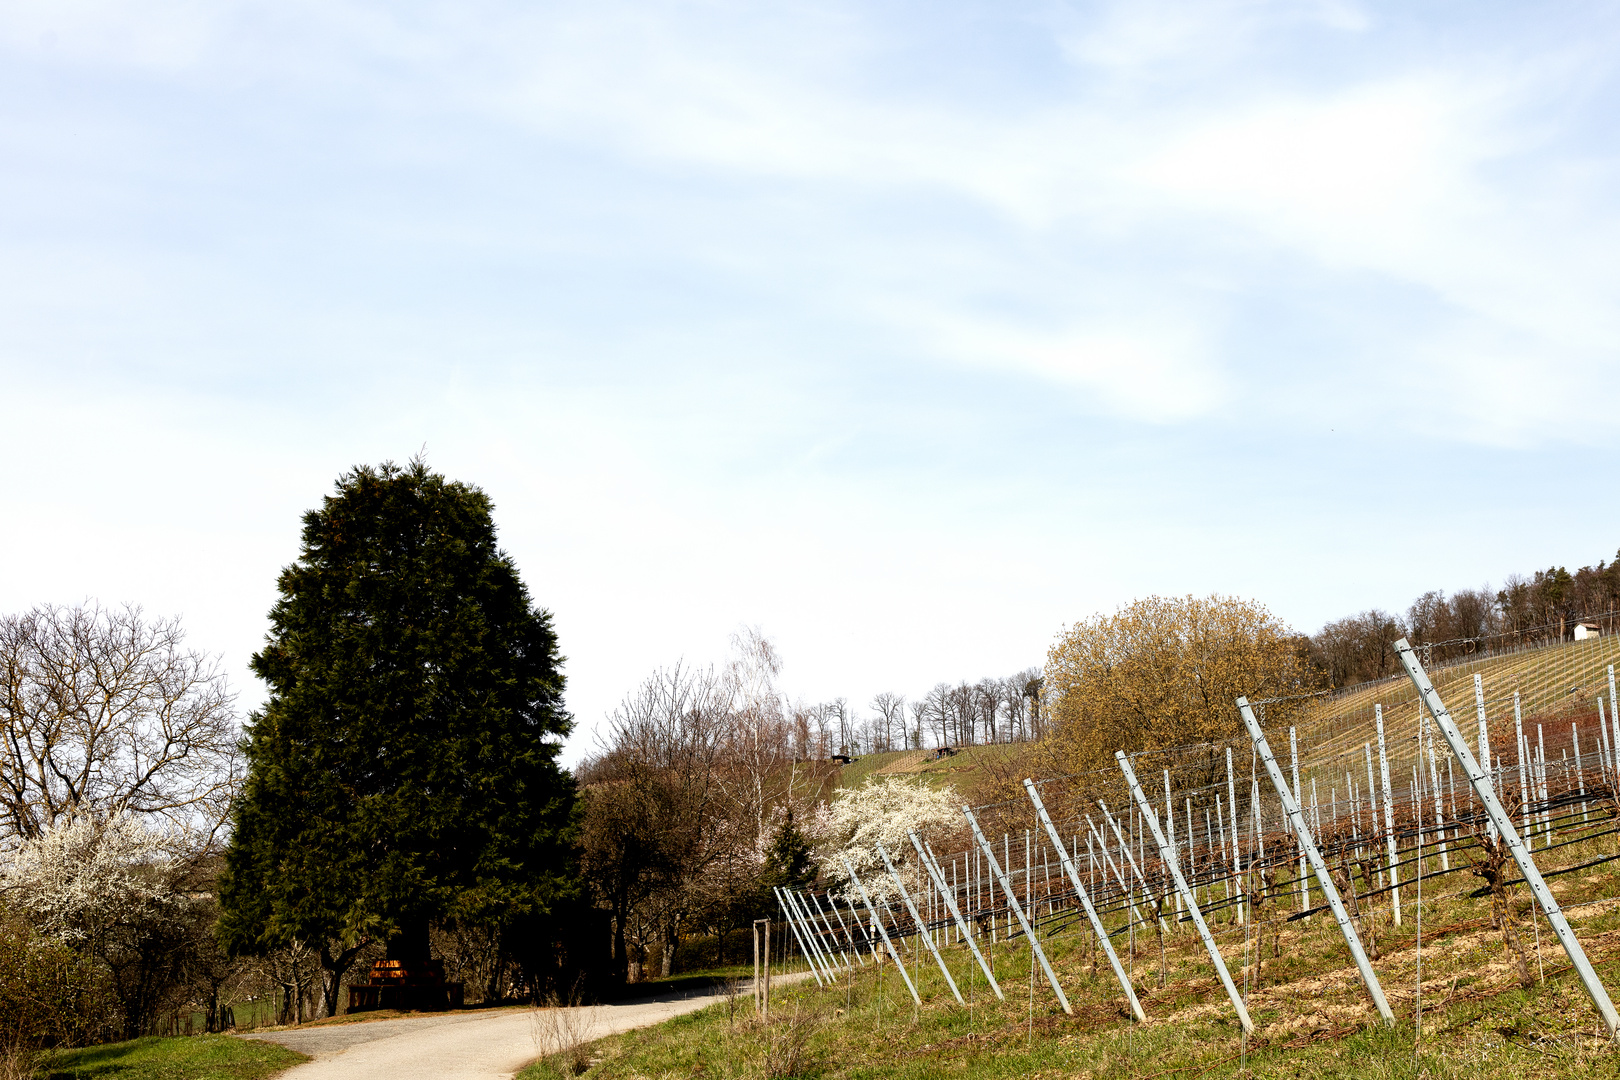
<point>49,996</point>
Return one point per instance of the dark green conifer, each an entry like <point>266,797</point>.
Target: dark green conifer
<point>404,769</point>
<point>789,860</point>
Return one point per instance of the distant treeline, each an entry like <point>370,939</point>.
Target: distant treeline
<point>1546,607</point>
<point>992,710</point>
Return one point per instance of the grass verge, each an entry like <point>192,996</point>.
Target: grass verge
<point>190,1057</point>
<point>1313,1017</point>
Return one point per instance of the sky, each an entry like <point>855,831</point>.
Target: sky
<point>908,333</point>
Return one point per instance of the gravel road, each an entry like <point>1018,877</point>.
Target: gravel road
<point>489,1045</point>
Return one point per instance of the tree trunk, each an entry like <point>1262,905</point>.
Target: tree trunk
<point>492,990</point>
<point>621,946</point>
<point>1370,923</point>
<point>1158,928</point>
<point>409,943</point>
<point>1269,875</point>
<point>336,967</point>
<point>1257,902</point>
<point>671,942</point>
<point>211,1022</point>
<point>1347,892</point>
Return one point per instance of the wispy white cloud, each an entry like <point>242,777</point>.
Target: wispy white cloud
<point>1159,39</point>
<point>1164,126</point>
<point>791,311</point>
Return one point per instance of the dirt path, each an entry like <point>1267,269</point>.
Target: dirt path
<point>468,1045</point>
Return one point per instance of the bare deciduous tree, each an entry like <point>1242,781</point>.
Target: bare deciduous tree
<point>937,712</point>
<point>756,728</point>
<point>891,713</point>
<point>105,712</point>
<point>651,796</point>
<point>987,701</point>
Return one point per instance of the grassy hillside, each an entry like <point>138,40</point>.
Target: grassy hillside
<point>1557,685</point>
<point>961,771</point>
<point>1313,1017</point>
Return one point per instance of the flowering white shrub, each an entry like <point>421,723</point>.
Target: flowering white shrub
<point>883,811</point>
<point>84,875</point>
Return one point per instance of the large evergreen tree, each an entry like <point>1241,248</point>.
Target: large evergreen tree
<point>404,770</point>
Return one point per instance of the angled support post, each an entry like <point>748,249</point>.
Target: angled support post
<point>926,857</point>
<point>1018,910</point>
<point>821,932</point>
<point>1302,830</point>
<point>866,944</point>
<point>1125,846</point>
<point>813,934</point>
<point>922,931</point>
<point>843,927</point>
<point>1085,901</point>
<point>1112,867</point>
<point>899,964</point>
<point>793,924</point>
<point>1186,893</point>
<point>834,948</point>
<point>824,947</point>
<point>1504,825</point>
<point>838,947</point>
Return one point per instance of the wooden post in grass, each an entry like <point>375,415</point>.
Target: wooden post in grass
<point>762,967</point>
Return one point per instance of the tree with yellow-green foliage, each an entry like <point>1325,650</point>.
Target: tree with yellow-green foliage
<point>1165,672</point>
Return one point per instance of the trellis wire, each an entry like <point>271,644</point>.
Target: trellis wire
<point>1559,792</point>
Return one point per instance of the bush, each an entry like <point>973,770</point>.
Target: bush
<point>49,996</point>
<point>127,899</point>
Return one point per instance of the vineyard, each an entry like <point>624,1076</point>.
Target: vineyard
<point>1375,866</point>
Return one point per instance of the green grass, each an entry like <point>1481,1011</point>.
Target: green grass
<point>195,1057</point>
<point>729,971</point>
<point>1556,684</point>
<point>1313,1018</point>
<point>961,770</point>
<point>851,775</point>
<point>862,1033</point>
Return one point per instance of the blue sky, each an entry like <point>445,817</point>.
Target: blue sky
<point>908,332</point>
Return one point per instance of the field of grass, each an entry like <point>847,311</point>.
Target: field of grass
<point>193,1057</point>
<point>1556,684</point>
<point>959,770</point>
<point>711,973</point>
<point>1313,1017</point>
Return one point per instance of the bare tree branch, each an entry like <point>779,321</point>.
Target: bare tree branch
<point>104,712</point>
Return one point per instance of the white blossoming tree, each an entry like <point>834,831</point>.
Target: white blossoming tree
<point>884,811</point>
<point>84,875</point>
<point>125,899</point>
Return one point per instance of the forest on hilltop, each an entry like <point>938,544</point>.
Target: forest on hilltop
<point>1542,608</point>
